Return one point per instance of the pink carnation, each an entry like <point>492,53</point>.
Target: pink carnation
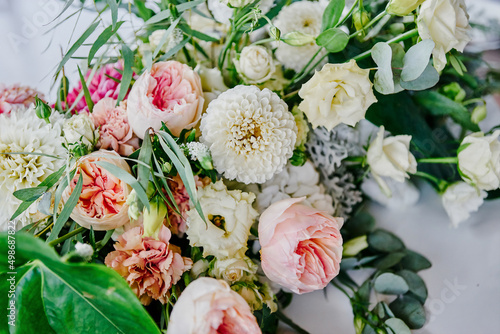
<point>100,87</point>
<point>150,266</point>
<point>114,129</point>
<point>16,96</point>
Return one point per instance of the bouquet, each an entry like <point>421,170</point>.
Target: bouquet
<point>202,170</point>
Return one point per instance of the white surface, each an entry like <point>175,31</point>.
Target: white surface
<point>469,255</point>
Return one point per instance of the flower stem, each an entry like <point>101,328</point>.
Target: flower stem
<point>369,24</point>
<point>402,37</point>
<point>290,322</point>
<point>441,184</point>
<point>446,160</point>
<point>67,236</point>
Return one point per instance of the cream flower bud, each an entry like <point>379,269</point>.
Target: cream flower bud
<point>460,199</point>
<point>479,160</point>
<point>199,267</point>
<point>256,296</point>
<point>391,157</point>
<point>402,7</point>
<point>133,208</point>
<point>80,128</point>
<point>153,218</point>
<point>234,269</point>
<point>255,64</point>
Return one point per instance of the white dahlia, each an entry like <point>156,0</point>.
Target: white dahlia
<point>304,17</point>
<point>250,133</point>
<point>23,131</point>
<point>228,217</point>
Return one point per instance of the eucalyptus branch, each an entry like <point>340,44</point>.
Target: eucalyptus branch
<point>397,39</point>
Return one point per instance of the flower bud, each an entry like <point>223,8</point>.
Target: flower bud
<point>479,113</point>
<point>297,38</point>
<point>360,18</point>
<point>133,208</point>
<point>454,92</point>
<point>153,218</point>
<point>402,7</point>
<point>354,246</point>
<point>42,110</point>
<point>359,325</point>
<point>275,33</point>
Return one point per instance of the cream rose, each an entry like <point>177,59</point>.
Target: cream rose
<point>170,93</point>
<point>390,157</point>
<point>479,160</point>
<point>460,200</point>
<point>339,93</point>
<point>234,269</point>
<point>446,22</point>
<point>228,217</point>
<point>255,64</point>
<point>402,7</point>
<point>209,306</point>
<point>80,128</point>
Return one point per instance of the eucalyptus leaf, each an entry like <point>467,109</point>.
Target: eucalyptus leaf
<point>165,36</point>
<point>397,326</point>
<point>333,40</point>
<point>410,311</point>
<point>429,78</point>
<point>86,93</point>
<point>188,5</point>
<point>29,194</point>
<point>103,39</point>
<point>382,55</point>
<point>158,17</point>
<point>390,284</point>
<point>388,261</point>
<point>417,59</point>
<point>416,285</point>
<point>175,49</point>
<point>385,241</point>
<point>415,262</point>
<point>113,6</point>
<point>332,14</point>
<point>128,58</point>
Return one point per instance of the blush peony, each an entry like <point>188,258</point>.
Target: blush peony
<point>16,96</point>
<point>114,129</point>
<point>170,93</point>
<point>209,306</point>
<point>150,266</point>
<point>301,246</point>
<point>102,201</point>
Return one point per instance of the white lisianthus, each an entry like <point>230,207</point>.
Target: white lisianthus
<point>479,160</point>
<point>23,131</point>
<point>80,129</point>
<point>446,22</point>
<point>460,200</point>
<point>250,133</point>
<point>228,217</point>
<point>390,157</point>
<point>339,93</point>
<point>402,7</point>
<point>234,269</point>
<point>255,64</point>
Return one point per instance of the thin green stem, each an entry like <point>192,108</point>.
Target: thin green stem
<point>476,100</point>
<point>369,24</point>
<point>402,37</point>
<point>446,160</point>
<point>348,13</point>
<point>442,184</point>
<point>67,236</point>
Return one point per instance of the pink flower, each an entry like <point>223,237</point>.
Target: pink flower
<point>170,93</point>
<point>114,130</point>
<point>102,201</point>
<point>100,87</point>
<point>16,96</point>
<point>301,246</point>
<point>150,266</point>
<point>209,306</point>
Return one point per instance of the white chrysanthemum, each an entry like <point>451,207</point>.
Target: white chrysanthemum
<point>23,131</point>
<point>228,214</point>
<point>250,133</point>
<point>460,200</point>
<point>293,182</point>
<point>304,17</point>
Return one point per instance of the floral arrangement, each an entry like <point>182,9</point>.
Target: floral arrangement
<point>209,167</point>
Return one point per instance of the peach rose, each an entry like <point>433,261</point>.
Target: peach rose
<point>301,246</point>
<point>114,129</point>
<point>102,201</point>
<point>209,306</point>
<point>150,266</point>
<point>170,93</point>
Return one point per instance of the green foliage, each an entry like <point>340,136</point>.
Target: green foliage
<point>332,14</point>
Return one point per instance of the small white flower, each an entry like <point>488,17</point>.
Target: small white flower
<point>228,217</point>
<point>171,41</point>
<point>460,199</point>
<point>250,133</point>
<point>479,160</point>
<point>84,250</point>
<point>255,64</point>
<point>234,269</point>
<point>197,150</point>
<point>80,129</point>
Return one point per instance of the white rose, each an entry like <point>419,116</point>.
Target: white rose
<point>339,93</point>
<point>460,199</point>
<point>255,64</point>
<point>446,22</point>
<point>402,7</point>
<point>479,160</point>
<point>234,269</point>
<point>80,128</point>
<point>228,214</point>
<point>390,157</point>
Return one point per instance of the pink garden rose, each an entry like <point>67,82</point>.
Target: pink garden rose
<point>209,306</point>
<point>114,129</point>
<point>100,87</point>
<point>102,201</point>
<point>301,246</point>
<point>150,266</point>
<point>16,96</point>
<point>170,93</point>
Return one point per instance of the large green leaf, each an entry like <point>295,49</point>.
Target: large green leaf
<point>410,311</point>
<point>332,14</point>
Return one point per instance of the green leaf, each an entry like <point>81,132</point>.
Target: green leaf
<point>333,40</point>
<point>382,56</point>
<point>415,262</point>
<point>388,261</point>
<point>144,12</point>
<point>416,285</point>
<point>158,17</point>
<point>27,249</point>
<point>102,39</point>
<point>86,92</point>
<point>397,326</point>
<point>29,194</point>
<point>410,311</point>
<point>332,14</point>
<point>128,57</point>
<point>113,6</point>
<point>76,45</point>
<point>66,211</point>
<point>66,6</point>
<point>197,34</point>
<point>416,60</point>
<point>390,284</point>
<point>359,224</point>
<point>175,49</point>
<point>384,241</point>
<point>429,78</point>
<point>145,156</point>
<point>188,5</point>
<point>164,38</point>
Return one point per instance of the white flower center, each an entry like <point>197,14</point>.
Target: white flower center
<point>249,134</point>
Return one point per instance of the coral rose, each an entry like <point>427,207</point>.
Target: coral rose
<point>102,201</point>
<point>114,129</point>
<point>170,93</point>
<point>301,246</point>
<point>209,306</point>
<point>150,266</point>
